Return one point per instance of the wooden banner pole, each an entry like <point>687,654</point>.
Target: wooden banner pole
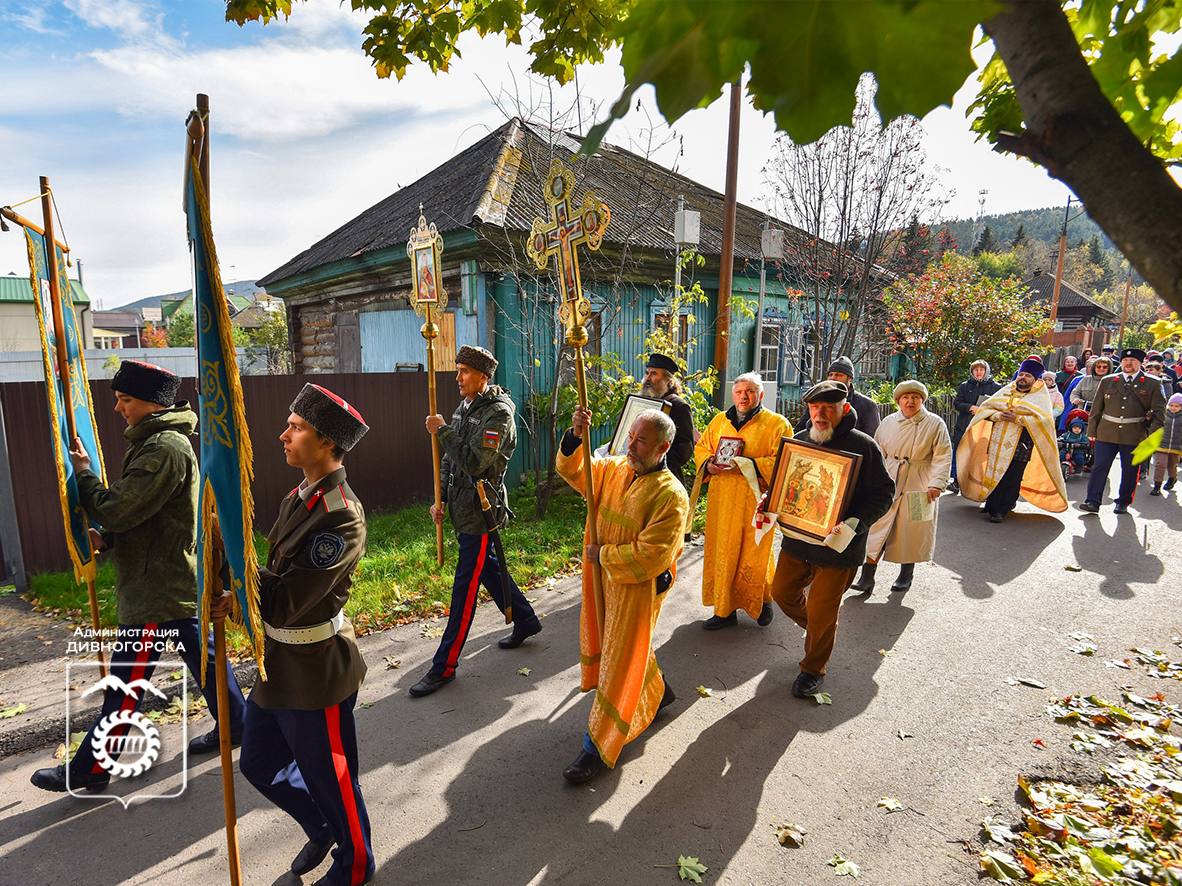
<point>430,331</point>
<point>63,371</point>
<point>577,337</point>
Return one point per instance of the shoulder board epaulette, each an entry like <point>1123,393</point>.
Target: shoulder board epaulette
<point>334,499</point>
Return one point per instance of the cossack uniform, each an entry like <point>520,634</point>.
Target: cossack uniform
<point>477,446</point>
<point>299,748</point>
<point>1124,412</point>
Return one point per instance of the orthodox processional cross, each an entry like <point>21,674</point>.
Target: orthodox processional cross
<point>428,295</point>
<point>559,238</point>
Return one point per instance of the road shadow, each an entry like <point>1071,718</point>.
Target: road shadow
<point>998,553</point>
<point>1119,557</point>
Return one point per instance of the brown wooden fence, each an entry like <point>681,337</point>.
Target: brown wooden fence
<point>391,466</point>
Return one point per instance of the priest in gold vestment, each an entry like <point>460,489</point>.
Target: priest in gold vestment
<point>1010,448</point>
<point>737,569</point>
<point>642,510</point>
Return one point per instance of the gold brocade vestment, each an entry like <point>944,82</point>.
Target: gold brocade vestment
<point>641,526</point>
<point>737,571</point>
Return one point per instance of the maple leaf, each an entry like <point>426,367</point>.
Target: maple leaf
<point>1001,866</point>
<point>890,804</point>
<point>392,662</point>
<point>790,834</point>
<point>523,672</point>
<point>6,713</point>
<point>821,697</point>
<point>688,868</point>
<point>1038,743</point>
<point>431,632</point>
<point>704,692</point>
<point>843,867</point>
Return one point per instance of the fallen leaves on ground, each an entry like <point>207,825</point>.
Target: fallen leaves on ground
<point>431,632</point>
<point>885,652</point>
<point>5,713</point>
<point>821,697</point>
<point>704,692</point>
<point>523,672</point>
<point>1026,681</point>
<point>392,663</point>
<point>1125,828</point>
<point>67,754</point>
<point>1158,663</point>
<point>986,801</point>
<point>843,867</point>
<point>903,734</point>
<point>890,804</point>
<point>688,868</point>
<point>365,705</point>
<point>1073,568</point>
<point>1086,644</point>
<point>790,834</point>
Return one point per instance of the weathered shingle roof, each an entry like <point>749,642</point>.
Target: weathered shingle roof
<point>498,181</point>
<point>1042,289</point>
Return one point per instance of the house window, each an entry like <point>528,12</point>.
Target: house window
<point>876,354</point>
<point>662,320</point>
<point>769,352</point>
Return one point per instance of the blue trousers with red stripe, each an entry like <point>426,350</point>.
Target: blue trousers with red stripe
<point>1103,455</point>
<point>305,762</point>
<point>477,566</point>
<point>129,664</point>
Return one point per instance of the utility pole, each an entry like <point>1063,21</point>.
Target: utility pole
<point>726,271</point>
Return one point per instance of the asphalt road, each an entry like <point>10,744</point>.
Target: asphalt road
<point>465,786</point>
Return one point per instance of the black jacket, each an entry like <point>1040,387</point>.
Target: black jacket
<point>967,395</point>
<point>867,418</point>
<point>874,492</point>
<point>681,451</point>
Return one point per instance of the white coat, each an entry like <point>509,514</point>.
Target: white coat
<point>918,455</point>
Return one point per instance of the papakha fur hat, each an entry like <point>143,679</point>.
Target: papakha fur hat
<point>330,415</point>
<point>478,359</point>
<point>146,381</point>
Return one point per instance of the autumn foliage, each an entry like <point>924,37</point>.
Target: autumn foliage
<point>949,316</point>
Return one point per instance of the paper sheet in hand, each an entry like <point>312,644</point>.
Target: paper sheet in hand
<point>919,508</point>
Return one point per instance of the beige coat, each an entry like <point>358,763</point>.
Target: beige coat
<point>918,455</point>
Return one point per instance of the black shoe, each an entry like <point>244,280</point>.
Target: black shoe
<point>1170,483</point>
<point>716,622</point>
<point>517,638</point>
<point>429,684</point>
<point>54,779</point>
<point>765,615</point>
<point>585,768</point>
<point>210,743</point>
<point>667,699</point>
<point>1156,490</point>
<point>906,573</point>
<point>865,584</point>
<point>1120,509</point>
<point>993,518</point>
<point>806,684</point>
<point>953,487</point>
<point>1090,506</point>
<point>310,857</point>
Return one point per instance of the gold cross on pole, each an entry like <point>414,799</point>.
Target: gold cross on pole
<point>560,237</point>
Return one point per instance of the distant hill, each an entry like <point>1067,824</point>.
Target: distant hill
<point>238,287</point>
<point>1041,224</point>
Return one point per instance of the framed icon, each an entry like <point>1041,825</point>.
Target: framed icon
<point>426,274</point>
<point>729,448</point>
<point>811,487</point>
<point>633,406</point>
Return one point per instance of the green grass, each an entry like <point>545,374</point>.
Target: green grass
<point>397,580</point>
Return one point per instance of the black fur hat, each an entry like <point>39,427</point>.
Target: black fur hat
<point>478,359</point>
<point>330,415</point>
<point>146,381</point>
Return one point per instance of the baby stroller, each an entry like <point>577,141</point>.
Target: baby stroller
<point>1075,449</point>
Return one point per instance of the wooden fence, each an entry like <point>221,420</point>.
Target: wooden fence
<point>391,466</point>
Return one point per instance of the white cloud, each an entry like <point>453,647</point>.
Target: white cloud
<point>32,18</point>
<point>137,22</point>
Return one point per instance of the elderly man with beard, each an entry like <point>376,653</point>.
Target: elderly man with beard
<point>642,510</point>
<point>1010,449</point>
<point>661,383</point>
<point>737,569</point>
<point>827,568</point>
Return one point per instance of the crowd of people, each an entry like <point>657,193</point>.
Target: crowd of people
<point>296,729</point>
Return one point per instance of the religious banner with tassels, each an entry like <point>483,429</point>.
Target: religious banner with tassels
<point>71,412</point>
<point>227,462</point>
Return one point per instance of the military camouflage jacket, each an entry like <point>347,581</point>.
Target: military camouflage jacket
<point>477,445</point>
<point>149,518</point>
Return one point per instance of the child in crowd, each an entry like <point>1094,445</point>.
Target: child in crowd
<point>1074,443</point>
<point>1166,458</point>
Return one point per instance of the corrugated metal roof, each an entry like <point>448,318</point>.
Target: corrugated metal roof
<point>15,288</point>
<point>499,181</point>
<point>1042,288</point>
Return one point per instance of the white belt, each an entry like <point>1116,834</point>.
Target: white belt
<point>1122,421</point>
<point>302,636</point>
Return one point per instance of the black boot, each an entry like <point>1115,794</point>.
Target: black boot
<point>865,584</point>
<point>903,582</point>
<point>1156,490</point>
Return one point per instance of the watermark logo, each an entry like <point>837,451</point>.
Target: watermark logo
<point>126,743</point>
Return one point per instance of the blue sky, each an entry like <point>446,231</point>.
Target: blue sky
<point>95,93</point>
